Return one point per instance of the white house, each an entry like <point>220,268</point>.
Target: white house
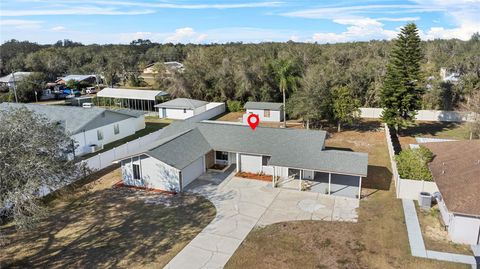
<point>181,108</point>
<point>268,112</point>
<point>456,171</point>
<point>90,128</point>
<point>8,80</point>
<point>189,148</point>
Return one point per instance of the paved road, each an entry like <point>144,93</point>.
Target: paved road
<point>242,204</point>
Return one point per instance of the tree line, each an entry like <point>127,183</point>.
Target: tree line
<point>243,72</point>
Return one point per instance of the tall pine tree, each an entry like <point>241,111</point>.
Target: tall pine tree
<point>401,94</point>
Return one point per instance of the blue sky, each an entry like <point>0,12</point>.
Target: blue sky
<point>120,21</point>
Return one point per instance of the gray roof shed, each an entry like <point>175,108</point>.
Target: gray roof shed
<point>182,103</point>
<point>263,105</point>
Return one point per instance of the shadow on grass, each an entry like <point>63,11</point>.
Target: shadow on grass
<point>428,128</point>
<point>109,228</point>
<point>378,178</point>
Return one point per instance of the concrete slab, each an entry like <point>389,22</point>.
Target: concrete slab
<point>241,205</point>
<point>417,246</point>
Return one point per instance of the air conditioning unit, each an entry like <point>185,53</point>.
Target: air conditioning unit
<point>425,200</point>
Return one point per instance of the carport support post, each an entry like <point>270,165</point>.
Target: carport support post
<point>300,176</point>
<point>360,188</point>
<point>238,162</point>
<point>274,177</point>
<point>329,183</point>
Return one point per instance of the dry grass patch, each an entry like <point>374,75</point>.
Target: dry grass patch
<point>103,227</point>
<point>435,235</point>
<point>378,240</point>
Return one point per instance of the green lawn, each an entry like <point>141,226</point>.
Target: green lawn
<point>450,130</point>
<point>152,124</point>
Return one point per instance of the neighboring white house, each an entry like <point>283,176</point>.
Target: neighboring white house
<point>188,149</point>
<point>270,112</point>
<point>8,80</point>
<point>181,108</point>
<point>90,128</point>
<point>456,171</point>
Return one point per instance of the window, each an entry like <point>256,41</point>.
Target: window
<point>136,171</point>
<point>99,135</point>
<point>184,110</point>
<point>265,160</point>
<point>221,155</point>
<point>116,129</point>
<point>266,113</point>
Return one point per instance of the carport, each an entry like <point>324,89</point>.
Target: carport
<point>320,182</point>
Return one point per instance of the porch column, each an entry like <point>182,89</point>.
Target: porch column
<point>360,188</point>
<point>274,177</point>
<point>238,162</point>
<point>329,183</point>
<point>300,176</point>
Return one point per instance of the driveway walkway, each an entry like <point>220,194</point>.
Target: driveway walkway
<point>241,205</point>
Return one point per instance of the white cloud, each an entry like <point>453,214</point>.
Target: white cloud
<point>464,15</point>
<point>62,7</point>
<point>70,11</point>
<point>191,6</point>
<point>184,35</point>
<point>20,24</point>
<point>58,28</point>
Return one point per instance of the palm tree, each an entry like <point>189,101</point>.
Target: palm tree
<point>286,75</point>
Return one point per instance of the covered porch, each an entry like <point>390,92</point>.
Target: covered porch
<point>316,181</point>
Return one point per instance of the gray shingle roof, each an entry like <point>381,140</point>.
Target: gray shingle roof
<point>76,119</point>
<point>263,105</point>
<point>182,150</point>
<point>182,103</point>
<point>287,147</point>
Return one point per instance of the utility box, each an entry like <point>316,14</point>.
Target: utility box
<point>425,200</point>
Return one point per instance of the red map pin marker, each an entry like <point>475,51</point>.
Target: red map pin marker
<point>253,121</point>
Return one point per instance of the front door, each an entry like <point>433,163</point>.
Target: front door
<point>164,112</point>
<point>294,173</point>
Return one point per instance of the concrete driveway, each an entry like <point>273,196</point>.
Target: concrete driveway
<point>243,204</point>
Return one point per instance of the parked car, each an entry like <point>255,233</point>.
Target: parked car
<point>91,90</point>
<point>71,93</point>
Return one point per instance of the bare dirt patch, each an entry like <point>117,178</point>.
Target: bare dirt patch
<point>435,234</point>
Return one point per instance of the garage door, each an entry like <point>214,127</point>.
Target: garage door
<point>251,163</point>
<point>192,171</point>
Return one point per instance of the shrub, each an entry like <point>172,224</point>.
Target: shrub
<point>234,106</point>
<point>413,163</point>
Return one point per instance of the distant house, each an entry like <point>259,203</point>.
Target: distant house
<point>170,67</point>
<point>181,108</point>
<point>90,128</point>
<point>269,112</point>
<point>90,79</point>
<point>8,80</point>
<point>144,100</point>
<point>452,77</point>
<point>456,171</point>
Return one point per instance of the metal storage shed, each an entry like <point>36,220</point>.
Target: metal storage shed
<point>144,100</point>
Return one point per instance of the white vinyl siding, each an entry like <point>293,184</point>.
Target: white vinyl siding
<point>192,171</point>
<point>153,174</point>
